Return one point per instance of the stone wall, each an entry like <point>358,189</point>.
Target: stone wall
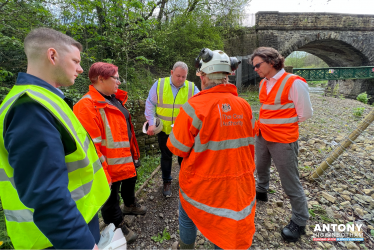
<point>350,88</point>
<point>147,144</point>
<point>241,43</point>
<point>313,21</point>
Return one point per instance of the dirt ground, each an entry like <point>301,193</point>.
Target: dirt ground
<point>271,216</point>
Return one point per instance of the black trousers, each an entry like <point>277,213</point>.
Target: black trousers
<point>166,156</point>
<point>111,211</point>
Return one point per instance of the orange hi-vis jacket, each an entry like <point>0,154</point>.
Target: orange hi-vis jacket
<point>107,127</point>
<point>214,134</point>
<point>278,117</point>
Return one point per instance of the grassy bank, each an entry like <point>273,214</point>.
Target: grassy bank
<point>4,239</point>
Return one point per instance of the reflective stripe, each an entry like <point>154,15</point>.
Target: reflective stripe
<point>96,165</point>
<point>81,191</point>
<point>196,122</point>
<point>23,215</point>
<point>222,212</point>
<point>97,139</point>
<point>253,121</point>
<point>4,177</point>
<point>278,106</point>
<point>279,120</point>
<point>72,166</point>
<point>178,144</point>
<point>109,141</point>
<point>53,104</point>
<point>84,97</point>
<point>7,103</point>
<point>161,89</point>
<point>169,106</point>
<point>58,109</point>
<point>86,144</point>
<point>261,84</point>
<point>117,144</point>
<point>102,158</point>
<point>121,160</point>
<point>222,145</point>
<point>277,99</point>
<point>191,90</point>
<point>165,118</point>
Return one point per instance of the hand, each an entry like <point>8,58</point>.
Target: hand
<point>110,185</point>
<point>95,247</point>
<point>151,130</point>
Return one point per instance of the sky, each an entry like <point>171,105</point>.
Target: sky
<point>333,6</point>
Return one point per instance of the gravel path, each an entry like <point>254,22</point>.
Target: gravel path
<point>333,119</point>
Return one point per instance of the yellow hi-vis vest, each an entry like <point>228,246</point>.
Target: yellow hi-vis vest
<point>168,108</point>
<point>87,182</point>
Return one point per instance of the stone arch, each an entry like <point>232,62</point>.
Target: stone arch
<point>337,49</point>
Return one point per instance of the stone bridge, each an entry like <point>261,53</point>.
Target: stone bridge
<point>341,40</point>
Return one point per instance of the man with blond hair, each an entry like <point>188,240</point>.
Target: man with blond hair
<point>51,181</point>
<point>165,98</point>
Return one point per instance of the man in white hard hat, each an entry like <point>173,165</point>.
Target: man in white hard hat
<point>214,133</point>
<point>165,98</point>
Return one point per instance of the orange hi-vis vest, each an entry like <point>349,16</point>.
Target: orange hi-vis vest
<point>214,133</point>
<point>107,127</point>
<point>278,117</point>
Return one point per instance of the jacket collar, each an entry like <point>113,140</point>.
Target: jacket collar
<point>221,88</point>
<point>27,79</point>
<point>101,102</point>
<point>277,75</point>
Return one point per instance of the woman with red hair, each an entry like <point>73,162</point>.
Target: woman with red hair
<point>103,114</point>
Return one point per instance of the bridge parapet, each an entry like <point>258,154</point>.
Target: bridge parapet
<point>274,20</point>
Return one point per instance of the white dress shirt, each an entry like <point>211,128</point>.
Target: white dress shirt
<point>299,95</point>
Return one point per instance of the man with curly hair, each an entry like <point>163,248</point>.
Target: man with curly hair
<point>284,102</point>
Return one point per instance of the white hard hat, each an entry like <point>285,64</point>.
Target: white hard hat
<point>215,61</point>
<point>158,126</point>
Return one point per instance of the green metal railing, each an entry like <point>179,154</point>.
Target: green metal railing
<point>335,73</point>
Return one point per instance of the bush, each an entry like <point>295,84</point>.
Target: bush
<point>363,97</point>
<point>358,112</point>
<point>3,92</point>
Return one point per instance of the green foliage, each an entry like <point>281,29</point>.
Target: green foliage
<point>3,92</point>
<point>318,83</point>
<point>72,94</point>
<point>271,191</point>
<point>16,20</point>
<point>358,112</point>
<point>363,97</point>
<point>311,212</point>
<point>5,242</point>
<point>300,59</point>
<point>183,38</point>
<point>149,164</point>
<point>126,33</point>
<point>318,210</point>
<point>161,237</point>
<point>4,74</point>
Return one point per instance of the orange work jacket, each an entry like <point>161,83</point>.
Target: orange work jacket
<point>278,117</point>
<point>107,127</point>
<point>214,134</point>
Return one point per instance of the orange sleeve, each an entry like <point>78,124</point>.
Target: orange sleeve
<point>182,139</point>
<point>91,121</point>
